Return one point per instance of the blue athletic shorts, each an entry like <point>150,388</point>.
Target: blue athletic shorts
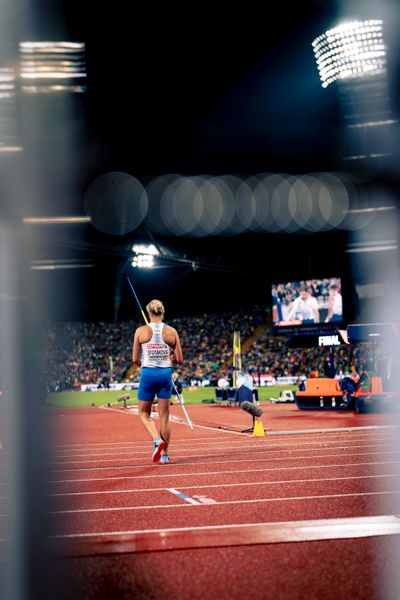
<point>155,381</point>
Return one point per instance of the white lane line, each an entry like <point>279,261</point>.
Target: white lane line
<point>183,496</point>
<point>134,412</point>
<point>224,485</point>
<point>208,473</point>
<point>115,446</point>
<point>379,520</point>
<point>253,453</point>
<point>267,432</point>
<point>181,421</point>
<point>365,428</point>
<point>99,447</point>
<point>95,445</point>
<point>224,502</point>
<point>113,455</point>
<point>99,456</point>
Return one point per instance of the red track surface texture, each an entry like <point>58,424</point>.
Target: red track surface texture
<point>308,511</point>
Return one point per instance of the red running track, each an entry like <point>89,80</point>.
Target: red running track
<point>288,515</point>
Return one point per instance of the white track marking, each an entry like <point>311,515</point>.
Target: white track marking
<point>208,473</point>
<point>253,459</point>
<point>184,444</point>
<point>93,447</point>
<point>183,496</point>
<point>379,520</point>
<point>71,459</point>
<point>179,421</point>
<point>106,444</point>
<point>224,502</point>
<point>334,430</point>
<point>127,445</point>
<point>224,485</point>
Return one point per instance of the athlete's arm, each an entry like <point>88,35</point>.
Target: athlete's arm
<point>171,337</point>
<point>136,349</point>
<point>178,356</point>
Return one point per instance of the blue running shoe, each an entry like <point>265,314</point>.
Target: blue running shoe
<point>159,446</point>
<point>165,460</point>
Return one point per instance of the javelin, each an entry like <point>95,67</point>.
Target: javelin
<point>173,384</point>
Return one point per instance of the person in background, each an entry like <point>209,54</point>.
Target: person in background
<point>156,347</point>
<point>335,304</point>
<point>305,307</point>
<point>223,383</point>
<point>301,382</point>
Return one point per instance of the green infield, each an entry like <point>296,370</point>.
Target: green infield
<point>191,396</point>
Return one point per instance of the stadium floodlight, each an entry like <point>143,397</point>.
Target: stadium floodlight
<point>144,255</point>
<point>8,112</point>
<point>145,249</point>
<point>351,50</point>
<point>49,67</point>
<point>143,261</point>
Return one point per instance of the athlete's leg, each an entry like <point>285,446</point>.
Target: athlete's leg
<point>144,414</point>
<point>165,428</point>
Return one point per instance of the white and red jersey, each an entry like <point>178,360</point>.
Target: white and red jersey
<point>156,352</point>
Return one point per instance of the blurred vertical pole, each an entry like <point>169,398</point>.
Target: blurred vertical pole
<point>377,241</point>
<point>14,524</point>
<point>25,569</point>
<point>26,566</point>
<point>12,583</point>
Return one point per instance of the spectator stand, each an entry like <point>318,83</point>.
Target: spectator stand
<point>79,352</point>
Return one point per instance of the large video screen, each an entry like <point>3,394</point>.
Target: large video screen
<point>307,303</point>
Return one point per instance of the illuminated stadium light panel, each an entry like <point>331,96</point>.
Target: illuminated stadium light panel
<point>8,126</point>
<point>145,249</point>
<point>350,50</point>
<point>48,67</point>
<point>143,261</point>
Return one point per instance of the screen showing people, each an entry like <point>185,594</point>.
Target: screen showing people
<point>307,302</point>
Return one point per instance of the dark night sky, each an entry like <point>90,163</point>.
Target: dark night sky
<point>198,90</point>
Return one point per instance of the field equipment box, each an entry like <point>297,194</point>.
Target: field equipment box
<point>321,393</point>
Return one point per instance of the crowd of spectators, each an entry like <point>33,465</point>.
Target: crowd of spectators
<point>207,340</point>
<point>85,352</point>
<point>93,353</point>
<point>271,354</point>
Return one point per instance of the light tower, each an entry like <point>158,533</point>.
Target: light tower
<point>353,54</point>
